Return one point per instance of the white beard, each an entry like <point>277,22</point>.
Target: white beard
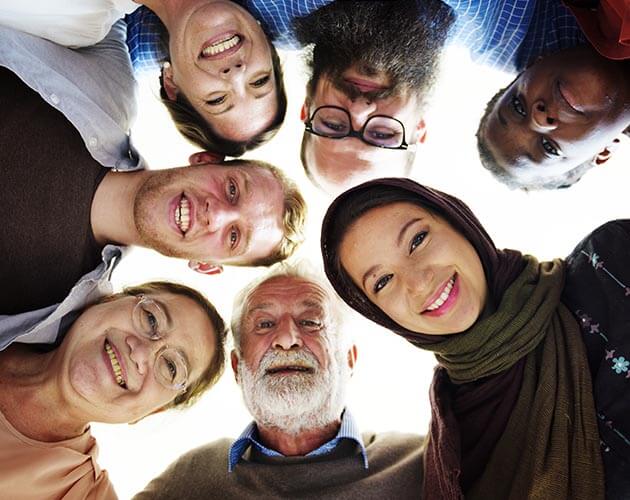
<point>297,402</point>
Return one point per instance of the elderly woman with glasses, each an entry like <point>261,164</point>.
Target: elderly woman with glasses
<point>152,347</point>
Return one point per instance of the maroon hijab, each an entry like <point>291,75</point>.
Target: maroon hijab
<point>467,419</point>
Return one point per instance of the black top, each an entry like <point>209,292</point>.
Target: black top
<point>597,290</point>
<point>47,182</point>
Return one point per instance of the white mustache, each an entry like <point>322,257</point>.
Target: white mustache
<point>274,359</point>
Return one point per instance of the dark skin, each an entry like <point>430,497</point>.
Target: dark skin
<point>565,109</point>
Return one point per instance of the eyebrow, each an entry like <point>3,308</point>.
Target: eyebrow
<point>398,242</point>
<point>404,229</point>
<point>501,118</point>
<point>312,303</point>
<point>367,273</point>
<point>162,306</point>
<point>187,361</point>
<point>259,307</point>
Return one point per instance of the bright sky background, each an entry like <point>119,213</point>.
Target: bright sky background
<point>390,384</point>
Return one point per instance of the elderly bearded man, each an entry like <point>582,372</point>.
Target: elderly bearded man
<point>66,115</point>
<point>293,365</point>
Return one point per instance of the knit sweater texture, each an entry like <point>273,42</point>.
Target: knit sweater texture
<point>395,472</point>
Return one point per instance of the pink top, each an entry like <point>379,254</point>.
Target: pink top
<point>61,470</point>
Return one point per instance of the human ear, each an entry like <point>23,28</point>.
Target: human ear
<point>604,155</point>
<point>203,157</point>
<point>234,362</point>
<point>352,356</point>
<point>205,267</point>
<point>421,130</point>
<point>304,111</point>
<point>169,84</point>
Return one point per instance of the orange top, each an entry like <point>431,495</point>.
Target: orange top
<point>61,470</point>
<point>606,26</point>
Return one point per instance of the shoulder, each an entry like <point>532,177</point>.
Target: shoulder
<point>393,444</point>
<point>194,471</point>
<point>611,239</point>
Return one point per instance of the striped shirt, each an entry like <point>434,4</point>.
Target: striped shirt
<point>249,437</point>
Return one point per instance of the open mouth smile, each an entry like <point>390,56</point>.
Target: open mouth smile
<point>286,369</point>
<point>182,214</point>
<point>445,298</point>
<point>115,363</point>
<point>226,45</point>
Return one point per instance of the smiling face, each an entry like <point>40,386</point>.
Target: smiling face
<point>291,366</point>
<point>109,369</point>
<point>221,61</point>
<point>224,214</point>
<point>416,268</point>
<point>559,113</point>
<point>336,164</point>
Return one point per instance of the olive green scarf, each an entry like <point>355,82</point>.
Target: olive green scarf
<point>550,446</point>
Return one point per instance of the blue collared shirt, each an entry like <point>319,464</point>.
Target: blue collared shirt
<point>146,34</point>
<point>502,34</point>
<point>249,437</point>
<point>509,34</point>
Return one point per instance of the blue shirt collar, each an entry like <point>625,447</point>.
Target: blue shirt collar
<point>249,437</point>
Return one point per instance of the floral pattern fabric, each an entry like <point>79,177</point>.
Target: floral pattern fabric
<point>597,290</point>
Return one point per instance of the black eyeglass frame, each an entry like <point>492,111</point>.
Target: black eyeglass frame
<point>359,134</point>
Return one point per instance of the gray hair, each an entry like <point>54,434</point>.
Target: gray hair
<point>302,270</point>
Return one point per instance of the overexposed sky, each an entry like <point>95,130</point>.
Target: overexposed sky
<point>390,385</point>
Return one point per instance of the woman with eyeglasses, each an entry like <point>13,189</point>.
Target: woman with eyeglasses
<point>152,347</point>
<point>530,396</point>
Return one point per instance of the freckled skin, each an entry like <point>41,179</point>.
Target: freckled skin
<point>403,279</point>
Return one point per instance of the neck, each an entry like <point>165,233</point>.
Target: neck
<point>111,214</point>
<point>31,398</point>
<point>172,11</point>
<point>291,445</point>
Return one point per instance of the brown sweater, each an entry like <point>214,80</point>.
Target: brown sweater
<point>395,472</point>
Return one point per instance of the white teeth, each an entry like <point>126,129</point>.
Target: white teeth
<point>443,296</point>
<point>222,46</point>
<point>115,365</point>
<point>182,214</point>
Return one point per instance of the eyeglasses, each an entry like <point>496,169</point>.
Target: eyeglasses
<point>170,367</point>
<point>334,122</point>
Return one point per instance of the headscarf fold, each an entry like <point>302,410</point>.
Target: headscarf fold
<point>524,358</point>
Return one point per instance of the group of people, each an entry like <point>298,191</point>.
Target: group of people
<point>529,398</point>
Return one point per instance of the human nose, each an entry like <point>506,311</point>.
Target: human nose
<point>419,282</point>
<point>233,69</point>
<point>542,117</point>
<point>287,335</point>
<point>142,351</point>
<point>360,109</point>
<point>219,214</point>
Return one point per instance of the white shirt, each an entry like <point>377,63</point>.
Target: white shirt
<point>72,23</point>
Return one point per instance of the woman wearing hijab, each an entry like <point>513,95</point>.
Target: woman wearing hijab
<point>521,397</point>
<point>150,348</point>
